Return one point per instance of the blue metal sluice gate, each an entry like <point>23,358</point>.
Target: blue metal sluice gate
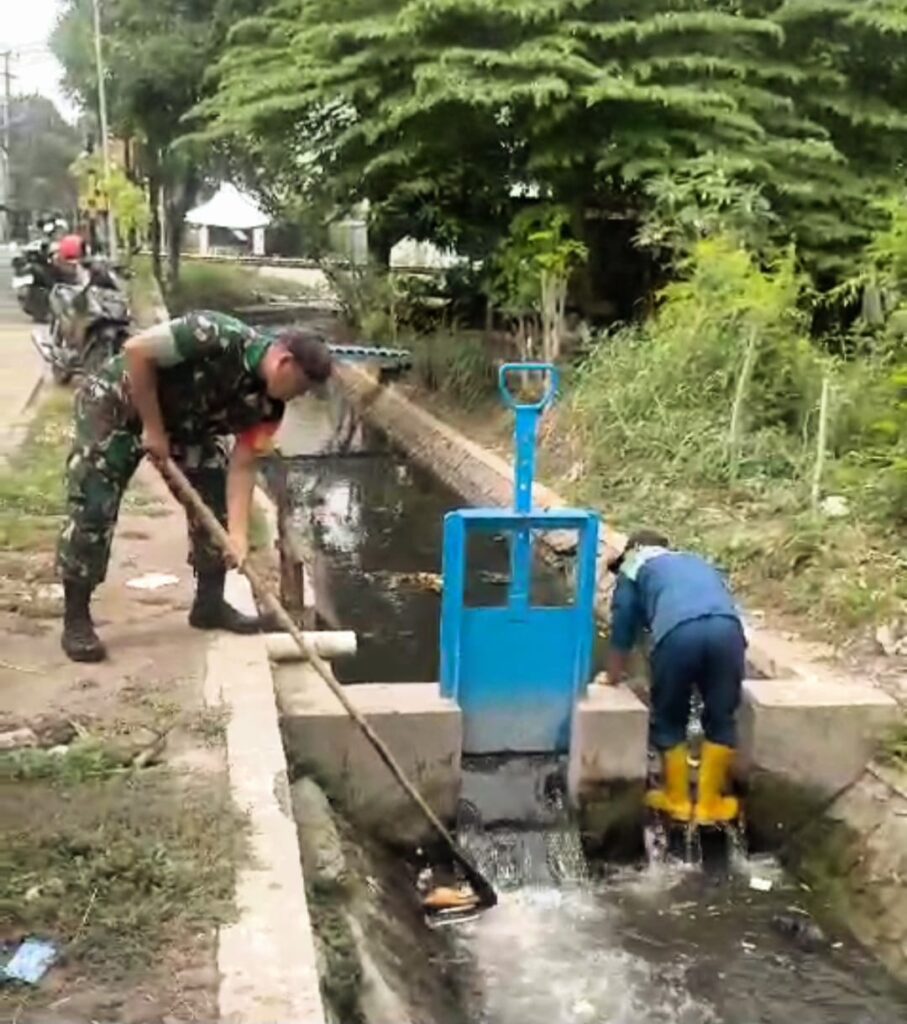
<point>517,670</point>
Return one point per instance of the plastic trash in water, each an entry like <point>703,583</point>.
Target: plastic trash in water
<point>761,884</point>
<point>30,961</point>
<point>153,581</point>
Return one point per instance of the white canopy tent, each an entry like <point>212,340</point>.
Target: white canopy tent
<point>233,209</point>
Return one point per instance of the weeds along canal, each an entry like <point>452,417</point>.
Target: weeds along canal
<point>572,941</point>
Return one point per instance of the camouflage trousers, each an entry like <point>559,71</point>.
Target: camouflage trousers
<point>105,454</point>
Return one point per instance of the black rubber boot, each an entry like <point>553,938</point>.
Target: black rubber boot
<point>80,642</point>
<point>211,611</point>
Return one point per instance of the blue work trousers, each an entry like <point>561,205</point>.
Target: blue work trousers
<point>709,654</point>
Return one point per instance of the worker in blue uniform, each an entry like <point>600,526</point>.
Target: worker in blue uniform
<point>697,640</point>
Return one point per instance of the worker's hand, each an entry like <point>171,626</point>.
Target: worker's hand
<point>156,443</point>
<point>616,667</point>
<point>239,544</point>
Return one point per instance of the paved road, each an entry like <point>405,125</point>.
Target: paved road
<point>20,365</point>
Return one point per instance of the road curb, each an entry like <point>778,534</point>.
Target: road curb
<point>266,958</point>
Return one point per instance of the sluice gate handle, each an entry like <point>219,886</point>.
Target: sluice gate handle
<point>527,415</point>
<point>525,429</point>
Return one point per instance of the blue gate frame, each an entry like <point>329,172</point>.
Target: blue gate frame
<point>517,670</point>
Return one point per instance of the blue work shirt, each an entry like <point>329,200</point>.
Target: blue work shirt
<point>658,589</point>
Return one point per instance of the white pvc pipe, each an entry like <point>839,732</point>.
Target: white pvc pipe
<point>328,644</point>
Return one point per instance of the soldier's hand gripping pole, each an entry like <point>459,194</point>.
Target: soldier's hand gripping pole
<point>187,496</point>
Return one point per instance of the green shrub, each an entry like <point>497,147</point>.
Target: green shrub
<point>727,336</point>
<point>460,365</point>
<point>383,306</point>
<point>211,286</point>
<point>870,436</point>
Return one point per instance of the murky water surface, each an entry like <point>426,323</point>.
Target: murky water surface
<point>375,523</point>
<point>570,943</point>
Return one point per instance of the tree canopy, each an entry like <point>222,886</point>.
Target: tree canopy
<point>437,111</point>
<point>777,120</point>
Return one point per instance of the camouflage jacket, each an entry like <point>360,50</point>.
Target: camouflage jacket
<point>208,380</point>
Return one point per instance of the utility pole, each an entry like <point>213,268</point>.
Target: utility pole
<point>105,142</point>
<point>6,177</point>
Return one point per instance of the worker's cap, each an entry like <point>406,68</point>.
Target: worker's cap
<point>310,351</point>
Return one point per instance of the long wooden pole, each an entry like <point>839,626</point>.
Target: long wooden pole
<point>187,496</point>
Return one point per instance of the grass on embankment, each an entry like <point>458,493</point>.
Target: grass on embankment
<point>112,863</point>
<point>227,287</point>
<point>31,483</point>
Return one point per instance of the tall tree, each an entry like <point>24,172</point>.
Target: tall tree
<point>157,55</point>
<point>856,91</point>
<point>42,150</point>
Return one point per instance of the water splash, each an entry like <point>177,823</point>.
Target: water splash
<point>553,956</point>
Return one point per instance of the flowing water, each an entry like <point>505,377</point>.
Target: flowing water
<point>570,942</point>
<point>574,942</point>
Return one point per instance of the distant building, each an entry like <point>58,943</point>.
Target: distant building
<point>229,221</point>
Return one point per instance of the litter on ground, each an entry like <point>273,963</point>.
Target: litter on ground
<point>761,884</point>
<point>153,581</point>
<point>30,962</point>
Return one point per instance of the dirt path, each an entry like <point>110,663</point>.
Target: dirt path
<point>152,683</point>
<point>20,364</point>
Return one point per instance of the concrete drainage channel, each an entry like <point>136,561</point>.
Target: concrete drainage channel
<point>343,939</point>
<point>617,940</point>
<point>612,940</point>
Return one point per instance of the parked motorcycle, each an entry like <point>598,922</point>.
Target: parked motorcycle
<point>33,279</point>
<point>89,322</point>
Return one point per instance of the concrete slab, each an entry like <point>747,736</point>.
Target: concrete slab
<point>608,740</point>
<point>423,730</point>
<point>815,732</point>
<point>267,957</point>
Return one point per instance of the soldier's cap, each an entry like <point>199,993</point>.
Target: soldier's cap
<point>309,350</point>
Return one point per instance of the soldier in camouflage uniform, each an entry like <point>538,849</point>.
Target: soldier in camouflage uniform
<point>179,389</point>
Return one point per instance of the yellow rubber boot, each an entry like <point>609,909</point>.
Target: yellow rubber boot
<point>673,798</point>
<point>712,806</point>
